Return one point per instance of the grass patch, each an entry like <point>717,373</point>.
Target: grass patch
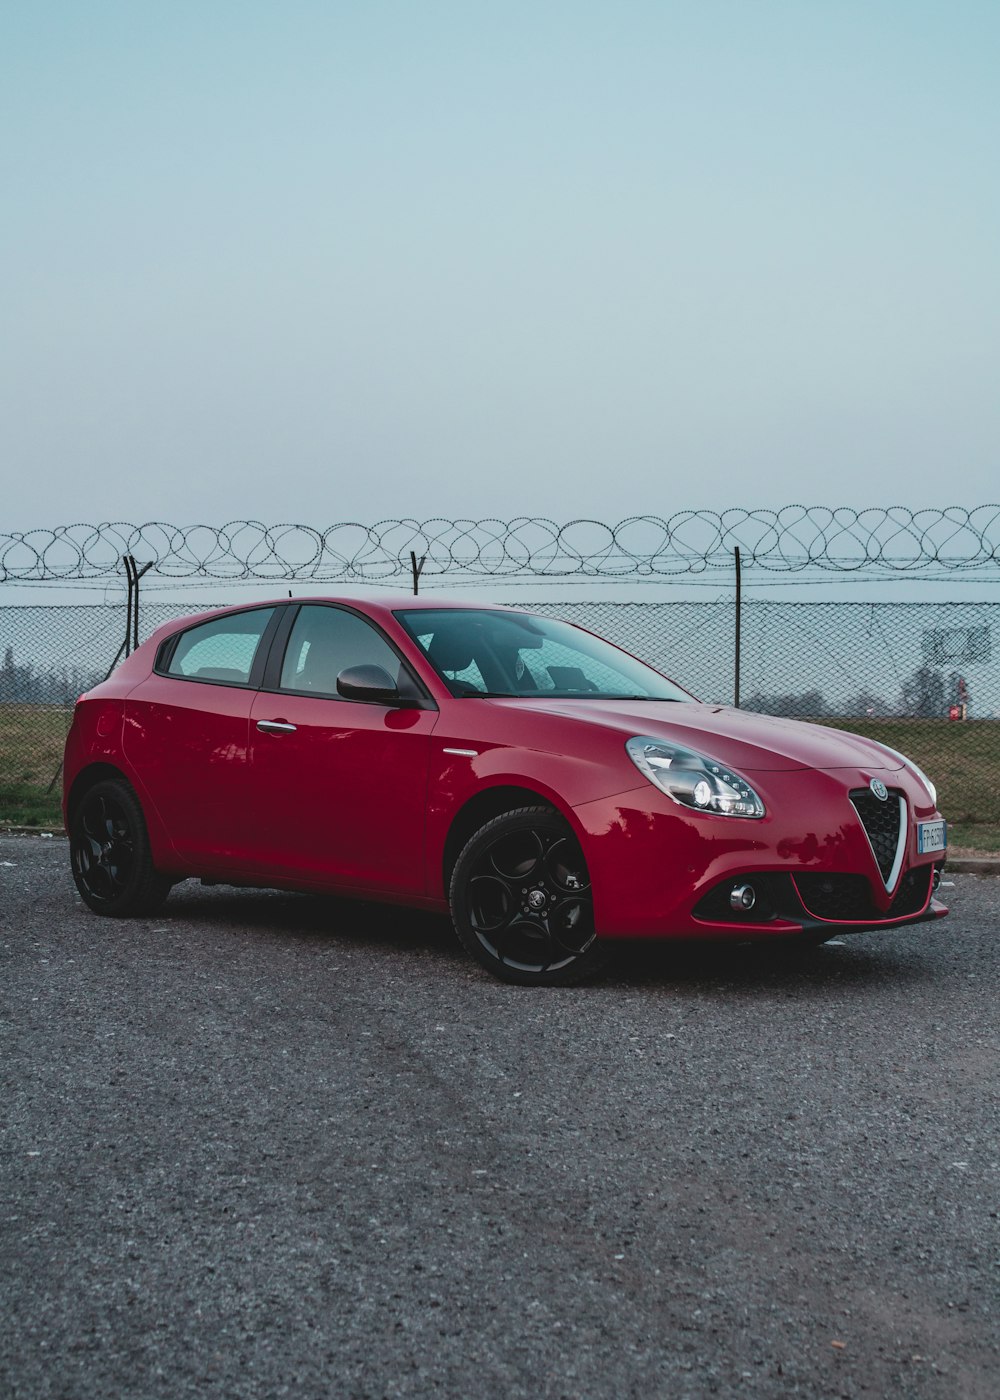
<point>31,748</point>
<point>975,837</point>
<point>962,759</point>
<point>21,805</point>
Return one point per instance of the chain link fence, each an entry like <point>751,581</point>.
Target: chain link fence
<point>49,655</point>
<point>920,677</point>
<point>895,671</point>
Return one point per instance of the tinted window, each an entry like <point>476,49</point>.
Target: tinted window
<point>509,653</point>
<point>221,650</point>
<point>324,642</point>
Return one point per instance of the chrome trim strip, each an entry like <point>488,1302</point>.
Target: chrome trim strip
<point>463,753</point>
<point>897,864</point>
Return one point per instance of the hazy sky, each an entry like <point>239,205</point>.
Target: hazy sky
<point>313,260</point>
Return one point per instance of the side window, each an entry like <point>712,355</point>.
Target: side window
<point>324,641</point>
<point>221,650</point>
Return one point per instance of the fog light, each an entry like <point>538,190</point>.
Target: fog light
<point>742,898</point>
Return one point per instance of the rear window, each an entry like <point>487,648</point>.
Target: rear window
<point>222,650</point>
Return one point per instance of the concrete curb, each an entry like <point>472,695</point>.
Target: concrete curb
<point>32,831</point>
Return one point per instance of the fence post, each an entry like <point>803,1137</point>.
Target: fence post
<point>132,576</point>
<point>416,569</point>
<point>129,563</point>
<point>739,590</point>
<point>137,574</point>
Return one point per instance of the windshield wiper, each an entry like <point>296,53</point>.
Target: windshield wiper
<point>660,699</point>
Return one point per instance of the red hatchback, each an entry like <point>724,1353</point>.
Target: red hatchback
<point>549,789</point>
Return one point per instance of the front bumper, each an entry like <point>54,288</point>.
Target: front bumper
<point>815,901</point>
<point>661,871</point>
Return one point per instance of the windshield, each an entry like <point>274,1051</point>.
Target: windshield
<point>517,654</point>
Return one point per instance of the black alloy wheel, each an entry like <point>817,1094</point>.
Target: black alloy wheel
<point>521,900</point>
<point>109,850</point>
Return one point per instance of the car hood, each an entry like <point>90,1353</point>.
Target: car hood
<point>747,741</point>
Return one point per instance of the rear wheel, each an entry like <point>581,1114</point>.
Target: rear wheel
<point>521,900</point>
<point>109,850</point>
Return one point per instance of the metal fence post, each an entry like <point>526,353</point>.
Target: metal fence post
<point>416,569</point>
<point>739,591</point>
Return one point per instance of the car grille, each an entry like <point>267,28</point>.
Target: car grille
<point>847,898</point>
<point>881,821</point>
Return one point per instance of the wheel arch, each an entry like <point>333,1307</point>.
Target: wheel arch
<point>86,779</point>
<point>483,807</point>
<point>100,771</point>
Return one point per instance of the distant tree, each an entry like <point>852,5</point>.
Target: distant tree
<point>924,694</point>
<point>867,703</point>
<point>809,704</point>
<point>11,678</point>
<point>26,685</point>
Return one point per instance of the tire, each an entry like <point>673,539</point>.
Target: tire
<point>521,901</point>
<point>110,855</point>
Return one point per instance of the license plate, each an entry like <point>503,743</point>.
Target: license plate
<point>931,836</point>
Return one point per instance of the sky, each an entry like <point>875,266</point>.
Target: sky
<point>319,261</point>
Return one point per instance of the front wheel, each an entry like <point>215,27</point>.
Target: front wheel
<point>521,900</point>
<point>109,849</point>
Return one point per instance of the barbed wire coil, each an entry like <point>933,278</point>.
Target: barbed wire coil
<point>892,540</point>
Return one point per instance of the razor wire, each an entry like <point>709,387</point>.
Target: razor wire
<point>892,540</point>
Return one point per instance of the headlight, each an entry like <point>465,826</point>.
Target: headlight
<point>694,780</point>
<point>909,763</point>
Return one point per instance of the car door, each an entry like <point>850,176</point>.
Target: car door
<point>186,732</point>
<point>338,787</point>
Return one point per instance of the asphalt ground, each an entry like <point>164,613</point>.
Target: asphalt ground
<point>269,1145</point>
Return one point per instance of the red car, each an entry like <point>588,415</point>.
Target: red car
<point>551,791</point>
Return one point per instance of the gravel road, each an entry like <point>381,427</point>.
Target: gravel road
<point>268,1145</point>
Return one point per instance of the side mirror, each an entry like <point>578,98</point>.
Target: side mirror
<point>368,683</point>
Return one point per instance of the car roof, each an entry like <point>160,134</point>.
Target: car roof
<point>395,602</point>
<point>380,605</point>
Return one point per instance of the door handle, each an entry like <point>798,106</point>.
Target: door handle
<point>275,726</point>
